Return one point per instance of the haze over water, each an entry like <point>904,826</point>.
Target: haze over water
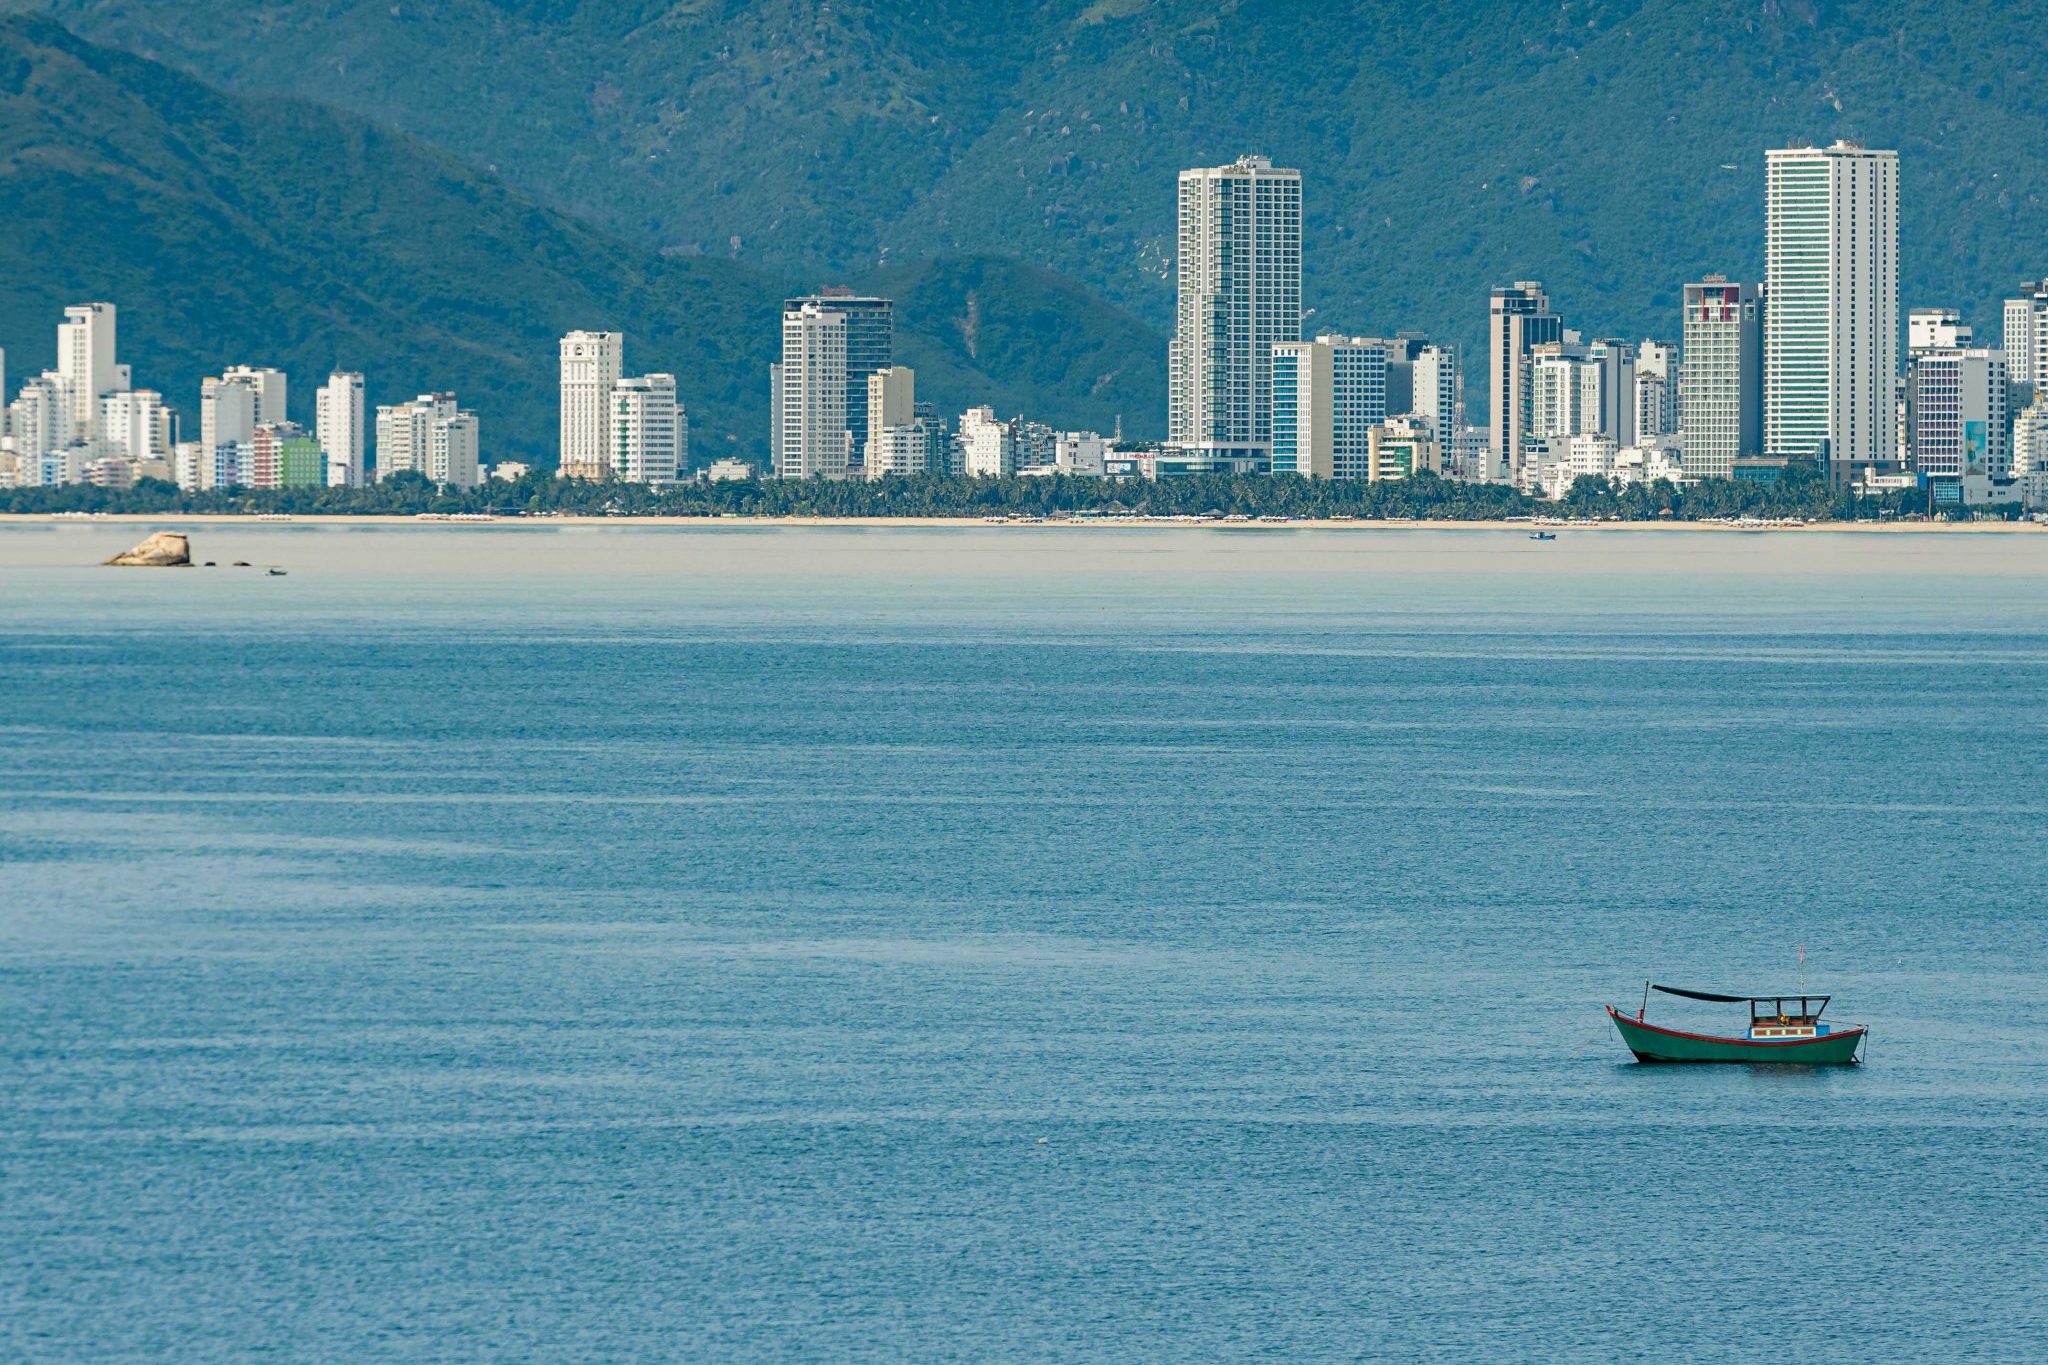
<point>739,943</point>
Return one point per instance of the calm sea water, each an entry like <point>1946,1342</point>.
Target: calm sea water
<point>510,944</point>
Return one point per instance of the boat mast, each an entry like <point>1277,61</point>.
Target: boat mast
<point>1646,1003</point>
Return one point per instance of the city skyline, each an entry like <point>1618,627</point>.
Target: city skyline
<point>1819,377</point>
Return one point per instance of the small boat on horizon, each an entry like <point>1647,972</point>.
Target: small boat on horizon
<point>1783,1029</point>
<point>1543,535</point>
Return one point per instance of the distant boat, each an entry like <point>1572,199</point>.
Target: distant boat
<point>1543,535</point>
<point>277,573</point>
<point>1782,1029</point>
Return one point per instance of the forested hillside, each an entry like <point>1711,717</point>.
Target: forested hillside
<point>1610,147</point>
<point>271,231</point>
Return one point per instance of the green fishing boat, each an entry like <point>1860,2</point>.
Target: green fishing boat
<point>1783,1029</point>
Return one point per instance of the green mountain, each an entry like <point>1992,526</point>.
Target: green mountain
<point>1612,148</point>
<point>272,231</point>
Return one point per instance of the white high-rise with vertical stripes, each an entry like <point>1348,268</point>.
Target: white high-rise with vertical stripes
<point>1239,262</point>
<point>1831,305</point>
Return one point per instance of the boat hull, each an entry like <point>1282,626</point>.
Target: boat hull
<point>1652,1044</point>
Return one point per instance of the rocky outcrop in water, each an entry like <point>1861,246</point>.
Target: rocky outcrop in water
<point>164,550</point>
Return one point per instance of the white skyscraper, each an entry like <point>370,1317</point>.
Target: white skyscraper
<point>1831,322</point>
<point>338,426</point>
<point>1564,391</point>
<point>2025,341</point>
<point>590,367</point>
<point>808,433</point>
<point>650,435</point>
<point>1721,389</point>
<point>85,359</point>
<point>1239,264</point>
<point>136,425</point>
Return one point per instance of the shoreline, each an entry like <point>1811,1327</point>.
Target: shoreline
<point>1524,527</point>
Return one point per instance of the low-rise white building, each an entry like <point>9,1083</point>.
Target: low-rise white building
<point>1649,462</point>
<point>988,446</point>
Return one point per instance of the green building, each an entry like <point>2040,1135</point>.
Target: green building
<point>301,463</point>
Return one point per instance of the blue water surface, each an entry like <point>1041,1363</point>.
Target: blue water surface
<point>734,944</point>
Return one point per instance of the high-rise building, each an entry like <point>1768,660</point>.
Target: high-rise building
<point>136,425</point>
<point>891,399</point>
<point>452,447</point>
<point>870,346</point>
<point>988,446</point>
<point>1437,392</point>
<point>39,419</point>
<point>227,417</point>
<point>1615,362</point>
<point>1957,398</point>
<point>401,440</point>
<point>810,439</point>
<point>2025,340</point>
<point>1831,325</point>
<point>1564,391</point>
<point>1038,447</point>
<point>1328,395</point>
<point>650,431</point>
<point>899,442</point>
<point>939,449</point>
<point>1239,267</point>
<point>431,436</point>
<point>590,367</point>
<point>1657,367</point>
<point>338,426</point>
<point>1519,320</point>
<point>278,458</point>
<point>267,385</point>
<point>85,359</point>
<point>1720,393</point>
<point>2030,443</point>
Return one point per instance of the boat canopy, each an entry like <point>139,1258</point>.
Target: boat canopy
<point>1819,1002</point>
